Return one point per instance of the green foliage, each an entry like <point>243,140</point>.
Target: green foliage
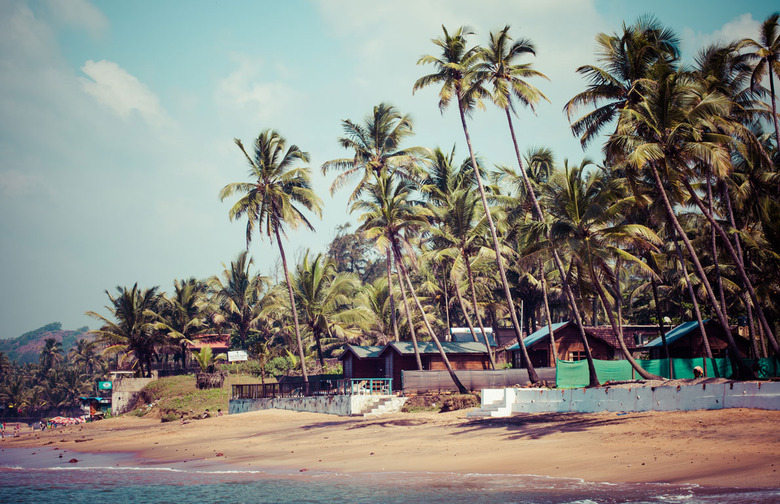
<point>175,396</point>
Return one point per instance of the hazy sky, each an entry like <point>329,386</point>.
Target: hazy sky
<point>117,120</point>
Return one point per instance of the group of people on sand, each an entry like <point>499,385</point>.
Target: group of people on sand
<point>206,414</point>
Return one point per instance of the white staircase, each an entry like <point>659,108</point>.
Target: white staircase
<point>383,405</point>
<point>497,408</point>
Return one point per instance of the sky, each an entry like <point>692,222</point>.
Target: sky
<point>117,120</point>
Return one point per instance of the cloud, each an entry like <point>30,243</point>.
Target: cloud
<point>116,88</point>
<point>79,14</point>
<point>253,89</point>
<point>743,26</point>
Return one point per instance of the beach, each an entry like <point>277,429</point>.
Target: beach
<point>736,448</point>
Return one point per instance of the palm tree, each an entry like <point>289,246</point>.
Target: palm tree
<point>664,134</point>
<point>84,355</point>
<point>766,54</point>
<point>325,300</point>
<point>392,217</point>
<point>51,354</point>
<point>240,298</point>
<point>271,201</point>
<point>132,332</point>
<point>587,212</point>
<point>183,315</point>
<point>455,71</point>
<point>377,147</point>
<point>627,58</point>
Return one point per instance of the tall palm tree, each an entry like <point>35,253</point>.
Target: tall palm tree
<point>587,212</point>
<point>240,297</point>
<point>377,147</point>
<point>627,58</point>
<point>132,332</point>
<point>325,300</point>
<point>83,355</point>
<point>391,217</point>
<point>766,54</point>
<point>272,199</point>
<point>455,71</point>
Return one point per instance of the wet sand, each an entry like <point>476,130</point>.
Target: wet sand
<point>734,448</point>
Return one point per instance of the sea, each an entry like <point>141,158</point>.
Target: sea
<point>41,476</point>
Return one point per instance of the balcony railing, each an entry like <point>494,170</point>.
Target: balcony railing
<point>355,386</point>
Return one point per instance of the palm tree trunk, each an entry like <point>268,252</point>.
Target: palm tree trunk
<point>774,107</point>
<point>724,323</point>
<point>390,294</point>
<point>615,326</point>
<point>714,247</point>
<point>404,274</point>
<point>740,268</point>
<point>692,293</point>
<point>593,380</point>
<point>465,313</point>
<point>409,319</point>
<point>476,310</point>
<point>659,314</point>
<point>532,376</point>
<point>554,357</point>
<point>447,306</point>
<point>316,334</point>
<point>294,310</point>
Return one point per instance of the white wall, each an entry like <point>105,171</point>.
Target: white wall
<point>342,405</point>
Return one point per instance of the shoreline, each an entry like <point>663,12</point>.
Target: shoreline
<point>737,448</point>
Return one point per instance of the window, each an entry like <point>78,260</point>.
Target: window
<point>577,355</point>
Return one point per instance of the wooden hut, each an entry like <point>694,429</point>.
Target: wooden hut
<point>685,341</point>
<point>362,362</point>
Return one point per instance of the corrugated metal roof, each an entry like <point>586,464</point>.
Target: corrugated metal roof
<point>532,339</point>
<point>429,347</point>
<point>364,352</point>
<point>675,334</point>
<point>463,335</point>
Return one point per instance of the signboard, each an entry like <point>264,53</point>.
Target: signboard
<point>104,385</point>
<point>237,355</point>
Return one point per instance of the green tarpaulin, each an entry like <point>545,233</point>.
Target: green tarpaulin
<point>571,374</point>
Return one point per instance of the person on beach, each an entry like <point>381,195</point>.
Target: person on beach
<point>219,412</point>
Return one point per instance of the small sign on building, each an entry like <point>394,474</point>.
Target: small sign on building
<point>105,385</point>
<point>237,355</point>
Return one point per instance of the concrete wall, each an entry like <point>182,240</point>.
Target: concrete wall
<point>124,392</point>
<point>342,405</point>
<point>757,395</point>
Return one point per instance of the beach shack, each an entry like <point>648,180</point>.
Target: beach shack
<point>602,341</point>
<point>399,356</point>
<point>685,341</point>
<point>362,362</point>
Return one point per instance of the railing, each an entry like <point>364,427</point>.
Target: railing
<point>355,386</point>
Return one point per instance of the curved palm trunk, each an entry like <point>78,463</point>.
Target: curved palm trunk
<point>294,310</point>
<point>724,323</point>
<point>390,294</point>
<point>465,313</point>
<point>740,268</point>
<point>548,316</point>
<point>714,248</point>
<point>774,107</point>
<point>692,293</point>
<point>659,315</point>
<point>404,274</point>
<point>616,328</point>
<point>476,312</point>
<point>593,380</point>
<point>410,321</point>
<point>532,376</point>
<point>447,306</point>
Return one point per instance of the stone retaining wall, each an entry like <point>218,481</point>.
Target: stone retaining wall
<point>343,405</point>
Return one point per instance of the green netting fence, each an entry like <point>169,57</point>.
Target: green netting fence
<point>571,374</point>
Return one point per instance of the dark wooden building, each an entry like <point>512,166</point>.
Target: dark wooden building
<point>602,341</point>
<point>685,342</point>
<point>362,362</point>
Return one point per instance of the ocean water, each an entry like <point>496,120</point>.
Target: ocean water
<point>43,478</point>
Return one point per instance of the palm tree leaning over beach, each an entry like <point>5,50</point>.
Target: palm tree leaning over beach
<point>391,217</point>
<point>271,201</point>
<point>455,72</point>
<point>498,67</point>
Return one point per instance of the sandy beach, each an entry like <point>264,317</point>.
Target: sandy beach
<point>724,448</point>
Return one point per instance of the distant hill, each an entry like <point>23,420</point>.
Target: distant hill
<point>27,347</point>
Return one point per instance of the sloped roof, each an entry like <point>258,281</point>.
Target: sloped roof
<point>463,335</point>
<point>215,341</point>
<point>535,337</point>
<point>429,347</point>
<point>363,352</point>
<point>675,334</point>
